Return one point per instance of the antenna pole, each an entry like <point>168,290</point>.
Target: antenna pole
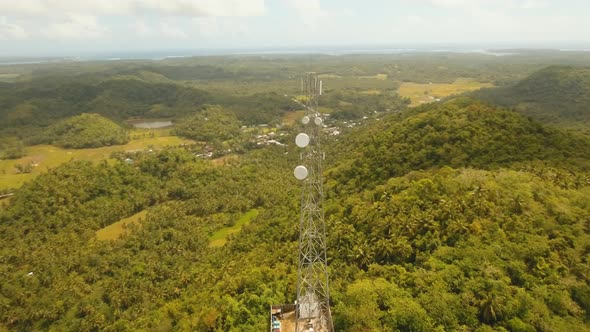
<point>313,293</point>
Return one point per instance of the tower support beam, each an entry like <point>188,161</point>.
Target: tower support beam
<point>313,294</point>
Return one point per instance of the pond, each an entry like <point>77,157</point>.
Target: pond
<point>152,124</point>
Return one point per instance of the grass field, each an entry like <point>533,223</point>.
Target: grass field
<point>427,93</point>
<point>49,156</point>
<point>115,230</point>
<point>381,77</point>
<point>8,76</point>
<point>219,238</point>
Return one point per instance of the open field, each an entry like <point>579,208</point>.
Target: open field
<point>381,77</point>
<point>116,229</point>
<point>427,93</point>
<point>49,156</point>
<point>219,238</point>
<point>8,77</point>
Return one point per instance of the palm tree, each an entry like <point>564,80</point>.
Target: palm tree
<point>489,308</point>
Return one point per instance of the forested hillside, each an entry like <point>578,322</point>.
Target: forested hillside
<point>86,130</point>
<point>38,104</point>
<point>458,133</point>
<point>455,216</point>
<point>557,95</point>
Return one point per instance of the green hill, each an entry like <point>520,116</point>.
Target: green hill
<point>558,95</point>
<point>448,217</point>
<point>458,133</point>
<point>212,123</point>
<point>26,107</point>
<point>85,131</point>
<point>37,104</point>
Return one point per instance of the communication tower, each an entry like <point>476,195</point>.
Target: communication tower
<point>313,292</point>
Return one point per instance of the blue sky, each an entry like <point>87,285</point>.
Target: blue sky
<point>42,27</point>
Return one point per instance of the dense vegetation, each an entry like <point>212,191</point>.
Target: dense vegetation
<point>459,133</point>
<point>11,148</point>
<point>83,131</point>
<point>350,105</point>
<point>559,95</point>
<point>38,104</point>
<point>461,242</point>
<point>455,216</point>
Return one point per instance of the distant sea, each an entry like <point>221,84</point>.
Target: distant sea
<point>497,50</point>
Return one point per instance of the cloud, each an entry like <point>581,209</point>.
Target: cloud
<point>306,6</point>
<point>207,26</point>
<point>484,4</point>
<point>10,31</point>
<point>534,4</point>
<point>309,11</point>
<point>214,28</point>
<point>170,31</point>
<point>76,26</point>
<point>25,7</point>
<point>141,28</point>
<point>481,24</point>
<point>194,8</point>
<point>204,8</point>
<point>77,19</point>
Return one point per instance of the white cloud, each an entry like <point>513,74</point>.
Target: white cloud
<point>534,4</point>
<point>141,28</point>
<point>485,4</point>
<point>76,26</point>
<point>77,19</point>
<point>204,7</point>
<point>196,8</point>
<point>26,7</point>
<point>309,11</point>
<point>213,27</point>
<point>207,26</point>
<point>477,24</point>
<point>306,6</point>
<point>171,31</point>
<point>10,31</point>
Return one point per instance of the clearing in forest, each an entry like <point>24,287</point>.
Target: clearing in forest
<point>219,238</point>
<point>427,93</point>
<point>116,229</point>
<point>44,157</point>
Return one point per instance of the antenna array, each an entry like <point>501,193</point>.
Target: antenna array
<point>313,294</point>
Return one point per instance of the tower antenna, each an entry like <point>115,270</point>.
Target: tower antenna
<point>313,292</point>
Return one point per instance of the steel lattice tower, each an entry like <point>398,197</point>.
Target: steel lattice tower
<point>313,294</point>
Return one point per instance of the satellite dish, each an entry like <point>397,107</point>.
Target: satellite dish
<point>302,140</point>
<point>318,121</point>
<point>300,172</point>
<point>305,120</point>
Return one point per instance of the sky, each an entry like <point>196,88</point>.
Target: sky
<point>70,27</point>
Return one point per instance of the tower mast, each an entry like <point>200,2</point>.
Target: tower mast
<point>313,293</point>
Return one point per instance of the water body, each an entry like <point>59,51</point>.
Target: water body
<point>497,50</point>
<point>152,124</point>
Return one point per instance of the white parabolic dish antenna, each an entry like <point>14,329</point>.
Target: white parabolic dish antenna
<point>318,121</point>
<point>302,140</point>
<point>305,120</point>
<point>300,172</point>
